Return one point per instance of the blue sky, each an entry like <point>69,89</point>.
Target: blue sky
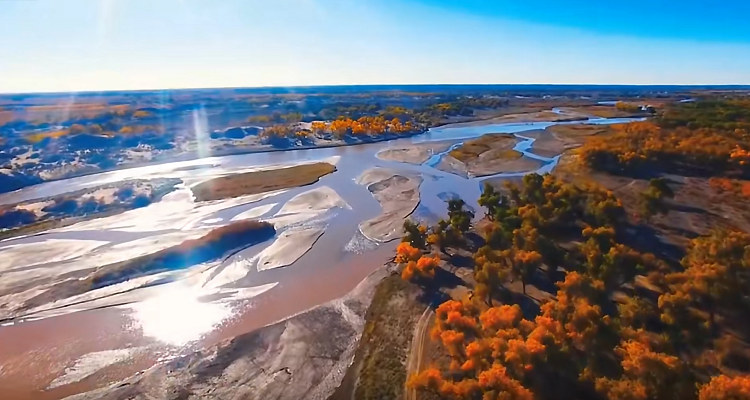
<point>54,45</point>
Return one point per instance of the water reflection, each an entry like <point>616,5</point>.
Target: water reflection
<point>176,316</point>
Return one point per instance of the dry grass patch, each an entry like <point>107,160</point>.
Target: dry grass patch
<point>261,181</point>
<point>384,347</point>
<point>578,130</point>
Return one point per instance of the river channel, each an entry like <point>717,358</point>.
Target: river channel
<point>62,348</point>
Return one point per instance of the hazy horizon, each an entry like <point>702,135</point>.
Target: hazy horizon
<point>396,86</point>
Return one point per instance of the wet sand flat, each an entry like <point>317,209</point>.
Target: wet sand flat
<point>413,154</point>
<point>546,144</point>
<point>398,195</point>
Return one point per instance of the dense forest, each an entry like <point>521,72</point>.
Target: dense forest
<point>605,318</point>
<point>705,138</point>
<point>604,334</point>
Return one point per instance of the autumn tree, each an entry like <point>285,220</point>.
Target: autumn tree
<point>405,252</point>
<point>524,265</point>
<point>423,268</point>
<point>490,271</point>
<point>716,274</point>
<point>415,265</point>
<point>578,310</point>
<point>611,262</point>
<point>627,107</point>
<point>497,385</point>
<point>498,235</point>
<point>723,387</point>
<point>707,136</point>
<point>439,235</point>
<point>635,312</point>
<point>318,127</point>
<point>646,374</point>
<point>651,201</point>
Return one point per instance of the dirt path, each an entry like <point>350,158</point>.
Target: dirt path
<point>414,360</point>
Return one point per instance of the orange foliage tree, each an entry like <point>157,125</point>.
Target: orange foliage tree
<point>641,146</point>
<point>723,387</point>
<point>716,274</point>
<point>415,264</point>
<point>646,374</point>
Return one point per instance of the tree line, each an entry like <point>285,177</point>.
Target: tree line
<point>705,138</point>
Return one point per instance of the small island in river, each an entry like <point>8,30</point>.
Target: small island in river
<point>488,155</point>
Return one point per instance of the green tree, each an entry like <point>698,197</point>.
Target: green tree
<point>491,200</point>
<point>438,235</point>
<point>415,234</point>
<point>651,201</point>
<point>459,217</point>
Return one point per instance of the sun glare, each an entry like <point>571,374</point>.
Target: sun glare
<point>176,316</point>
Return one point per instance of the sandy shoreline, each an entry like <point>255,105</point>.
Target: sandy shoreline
<point>488,167</point>
<point>398,195</point>
<point>547,144</point>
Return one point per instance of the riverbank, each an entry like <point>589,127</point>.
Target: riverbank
<point>537,116</point>
<point>195,153</point>
<point>378,370</point>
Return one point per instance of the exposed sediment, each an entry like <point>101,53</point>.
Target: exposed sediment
<point>414,153</point>
<point>398,195</point>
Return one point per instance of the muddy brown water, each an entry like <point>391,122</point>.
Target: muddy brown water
<point>34,352</point>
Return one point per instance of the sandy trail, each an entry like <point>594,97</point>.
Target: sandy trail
<point>416,352</point>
